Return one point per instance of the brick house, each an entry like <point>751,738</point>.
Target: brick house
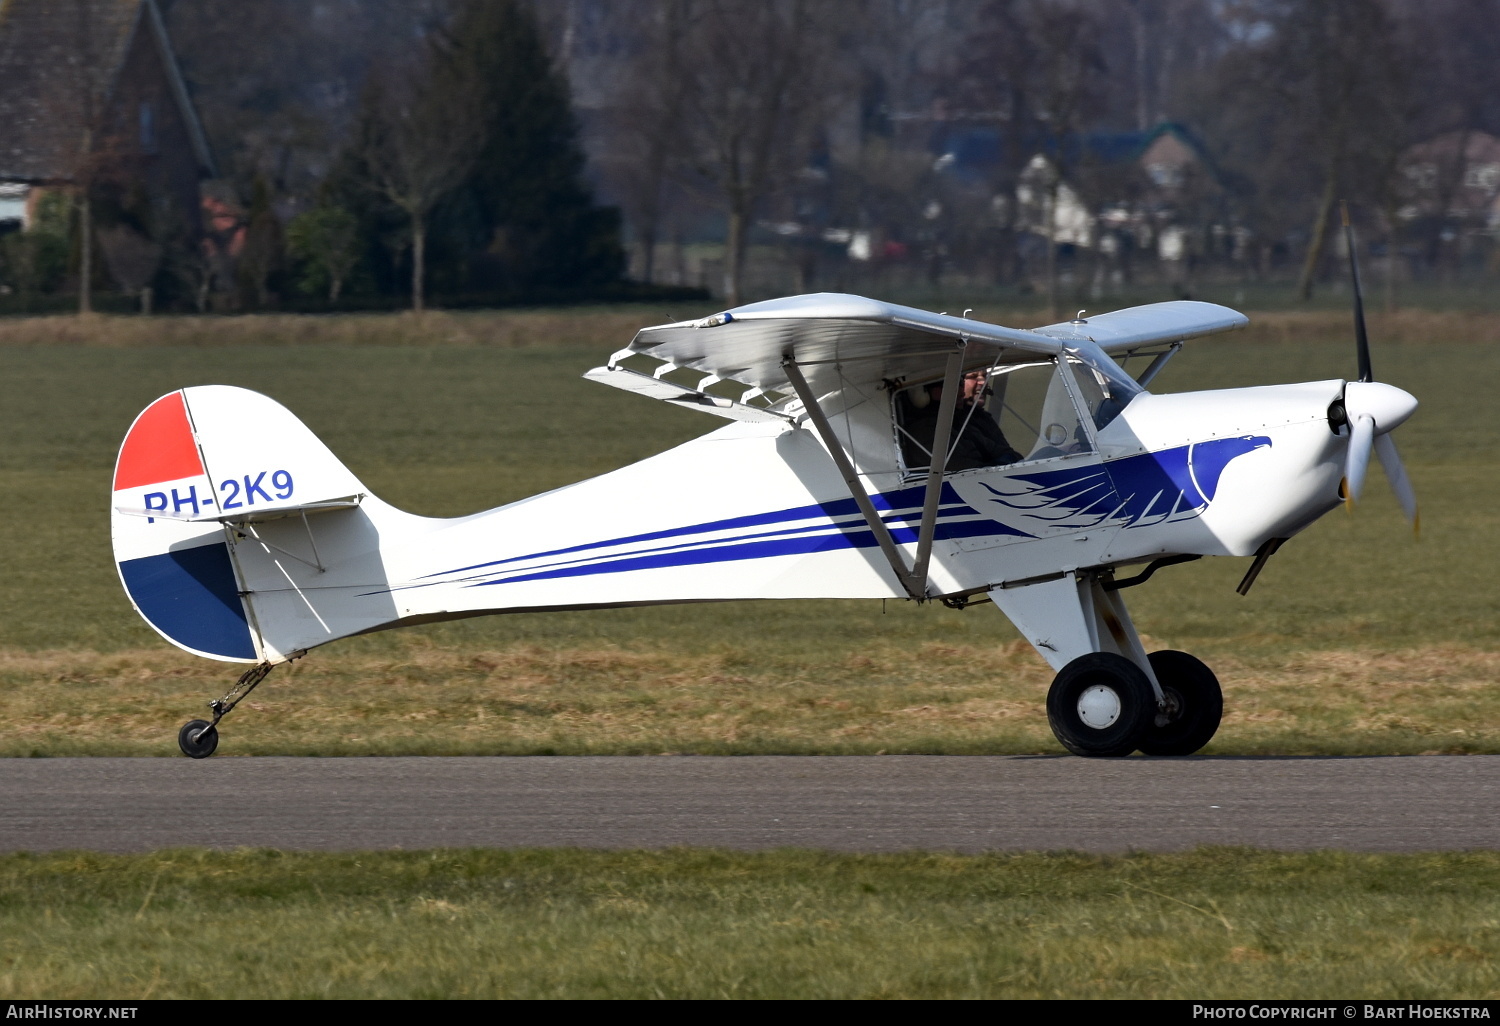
<point>91,95</point>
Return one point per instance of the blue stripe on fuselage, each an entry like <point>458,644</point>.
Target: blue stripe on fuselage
<point>740,550</point>
<point>895,522</point>
<point>888,501</point>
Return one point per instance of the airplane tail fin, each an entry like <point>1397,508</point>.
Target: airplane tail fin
<point>203,471</point>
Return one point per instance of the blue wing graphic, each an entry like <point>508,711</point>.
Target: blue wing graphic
<point>1070,497</point>
<point>1137,491</point>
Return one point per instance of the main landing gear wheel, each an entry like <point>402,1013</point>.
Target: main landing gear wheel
<point>1195,701</point>
<point>1101,704</point>
<point>198,739</point>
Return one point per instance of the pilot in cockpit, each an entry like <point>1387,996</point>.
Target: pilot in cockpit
<point>976,440</point>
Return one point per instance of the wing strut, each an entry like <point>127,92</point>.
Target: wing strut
<point>851,478</point>
<point>913,580</point>
<point>941,441</point>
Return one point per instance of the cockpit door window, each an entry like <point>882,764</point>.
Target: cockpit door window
<point>1010,414</point>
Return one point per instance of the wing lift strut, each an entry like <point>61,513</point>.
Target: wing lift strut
<point>913,578</point>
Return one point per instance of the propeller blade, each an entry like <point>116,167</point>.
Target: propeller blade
<point>1361,338</point>
<point>1357,462</point>
<point>1390,459</point>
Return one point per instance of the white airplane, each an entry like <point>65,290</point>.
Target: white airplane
<point>240,537</point>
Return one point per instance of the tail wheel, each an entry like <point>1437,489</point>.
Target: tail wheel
<point>1196,701</point>
<point>1101,704</point>
<point>198,739</point>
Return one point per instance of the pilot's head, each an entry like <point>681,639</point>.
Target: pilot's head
<point>972,390</point>
<point>973,385</point>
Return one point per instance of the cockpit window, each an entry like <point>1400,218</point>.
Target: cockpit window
<point>1010,414</point>
<point>1104,387</point>
<point>1036,406</point>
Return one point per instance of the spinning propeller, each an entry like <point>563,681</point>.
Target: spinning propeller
<point>1372,410</point>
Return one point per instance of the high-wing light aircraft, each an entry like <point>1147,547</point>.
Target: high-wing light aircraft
<point>239,536</point>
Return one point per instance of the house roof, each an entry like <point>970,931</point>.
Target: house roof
<point>59,62</point>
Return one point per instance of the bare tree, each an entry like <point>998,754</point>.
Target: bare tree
<point>419,135</point>
<point>92,31</point>
<point>1305,108</point>
<point>1066,88</point>
<point>753,80</point>
<point>1151,47</point>
<point>288,99</point>
<point>1343,56</point>
<point>263,253</point>
<point>998,76</point>
<point>649,138</point>
<point>1452,104</point>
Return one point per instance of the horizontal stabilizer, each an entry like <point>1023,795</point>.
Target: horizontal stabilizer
<point>249,516</point>
<point>1154,324</point>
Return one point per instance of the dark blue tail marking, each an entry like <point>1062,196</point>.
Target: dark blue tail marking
<point>191,596</point>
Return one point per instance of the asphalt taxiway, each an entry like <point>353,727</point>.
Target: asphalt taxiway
<point>877,803</point>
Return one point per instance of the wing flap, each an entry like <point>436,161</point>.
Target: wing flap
<point>677,395</point>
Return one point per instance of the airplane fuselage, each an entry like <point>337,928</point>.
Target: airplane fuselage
<point>757,511</point>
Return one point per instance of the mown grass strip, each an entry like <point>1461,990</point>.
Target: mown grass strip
<point>1213,923</point>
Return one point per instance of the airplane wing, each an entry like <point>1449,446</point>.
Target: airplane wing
<point>1123,331</point>
<point>836,340</point>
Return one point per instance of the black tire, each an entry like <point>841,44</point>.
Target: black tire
<point>197,739</point>
<point>1101,705</point>
<point>1199,700</point>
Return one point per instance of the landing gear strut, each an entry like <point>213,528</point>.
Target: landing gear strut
<point>199,738</point>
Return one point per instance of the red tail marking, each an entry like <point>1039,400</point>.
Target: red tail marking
<point>160,446</point>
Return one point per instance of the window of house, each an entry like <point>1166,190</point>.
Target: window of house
<point>13,206</point>
<point>1168,176</point>
<point>1422,176</point>
<point>1482,176</point>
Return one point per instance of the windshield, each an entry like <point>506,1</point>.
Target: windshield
<point>1103,385</point>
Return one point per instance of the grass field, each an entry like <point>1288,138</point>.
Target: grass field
<point>1215,923</point>
<point>1356,639</point>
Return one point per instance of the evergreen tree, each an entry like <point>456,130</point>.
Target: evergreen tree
<point>525,215</point>
<point>520,218</point>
